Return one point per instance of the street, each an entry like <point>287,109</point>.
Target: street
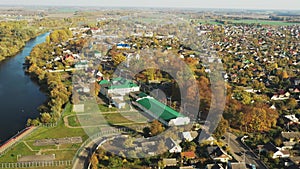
<point>240,152</point>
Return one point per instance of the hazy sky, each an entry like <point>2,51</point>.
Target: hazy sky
<point>240,4</point>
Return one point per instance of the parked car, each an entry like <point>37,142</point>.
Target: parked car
<point>252,166</point>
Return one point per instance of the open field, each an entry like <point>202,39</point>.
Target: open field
<point>113,118</point>
<point>62,152</point>
<point>263,22</point>
<point>109,116</point>
<point>250,21</point>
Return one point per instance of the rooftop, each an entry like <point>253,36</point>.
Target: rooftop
<point>158,109</point>
<point>118,83</point>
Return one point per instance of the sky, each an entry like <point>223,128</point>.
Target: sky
<point>233,4</point>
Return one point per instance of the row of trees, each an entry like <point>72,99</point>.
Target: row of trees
<point>55,84</point>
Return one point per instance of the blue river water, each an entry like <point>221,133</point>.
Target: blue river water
<point>19,95</point>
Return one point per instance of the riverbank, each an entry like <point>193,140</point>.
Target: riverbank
<point>16,138</point>
<point>26,146</point>
<point>2,58</point>
<point>19,95</point>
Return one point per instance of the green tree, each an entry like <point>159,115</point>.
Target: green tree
<point>45,118</point>
<point>221,128</point>
<point>292,103</point>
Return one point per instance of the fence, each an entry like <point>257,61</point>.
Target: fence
<point>66,162</point>
<point>20,139</point>
<point>36,164</point>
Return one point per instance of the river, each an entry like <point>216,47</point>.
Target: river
<point>19,95</point>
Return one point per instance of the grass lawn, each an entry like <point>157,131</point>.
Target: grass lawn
<point>67,151</point>
<point>113,118</point>
<point>105,108</point>
<point>73,121</point>
<point>60,131</point>
<point>19,149</point>
<point>63,155</point>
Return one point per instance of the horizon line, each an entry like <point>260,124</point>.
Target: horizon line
<point>150,7</point>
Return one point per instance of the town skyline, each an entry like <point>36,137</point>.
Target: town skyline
<point>214,4</point>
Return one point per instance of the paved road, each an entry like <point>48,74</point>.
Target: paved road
<point>241,152</point>
<point>82,160</point>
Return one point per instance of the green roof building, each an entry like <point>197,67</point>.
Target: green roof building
<point>158,108</point>
<point>119,86</point>
<point>160,111</point>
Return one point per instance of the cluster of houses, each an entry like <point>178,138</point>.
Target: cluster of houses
<point>253,58</point>
<point>260,52</point>
<point>288,151</point>
<point>66,60</point>
<point>219,158</point>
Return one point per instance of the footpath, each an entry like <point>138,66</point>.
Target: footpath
<point>16,138</point>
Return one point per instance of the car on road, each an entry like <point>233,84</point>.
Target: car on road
<point>252,166</point>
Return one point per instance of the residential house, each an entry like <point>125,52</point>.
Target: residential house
<point>69,58</point>
<point>148,34</point>
<point>169,162</point>
<point>215,166</point>
<point>97,54</point>
<point>190,156</point>
<point>228,165</point>
<point>277,152</point>
<point>172,146</point>
<point>218,154</point>
<point>292,119</point>
<point>123,46</point>
<point>295,81</point>
<point>186,136</point>
<point>281,154</point>
<point>82,64</point>
<point>291,136</point>
<point>284,96</point>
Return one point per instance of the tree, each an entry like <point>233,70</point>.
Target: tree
<point>221,128</point>
<point>285,74</point>
<point>94,161</point>
<point>118,58</point>
<point>146,132</point>
<point>259,117</point>
<point>29,122</point>
<point>278,142</point>
<point>45,118</point>
<point>292,103</point>
<point>35,122</point>
<point>156,128</point>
